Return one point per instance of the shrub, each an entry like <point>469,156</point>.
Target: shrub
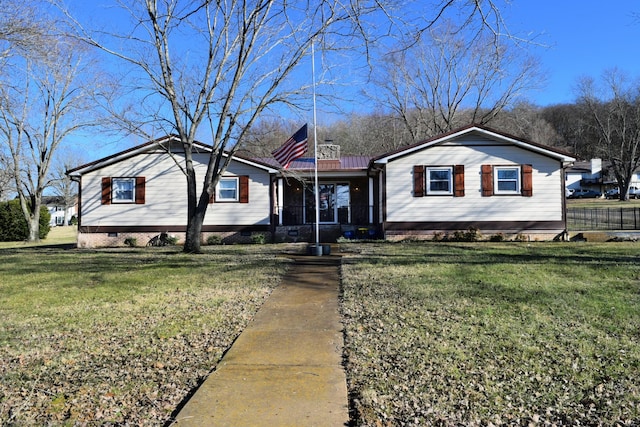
<point>472,235</point>
<point>45,218</point>
<point>343,239</point>
<point>171,240</point>
<point>13,226</point>
<point>258,239</point>
<point>497,238</point>
<point>458,236</point>
<point>439,236</point>
<point>131,241</point>
<point>214,239</point>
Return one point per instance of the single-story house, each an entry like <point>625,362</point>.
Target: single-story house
<point>471,177</point>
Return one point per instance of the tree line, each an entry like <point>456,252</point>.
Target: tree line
<point>603,122</point>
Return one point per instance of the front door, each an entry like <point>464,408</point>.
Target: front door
<point>333,207</point>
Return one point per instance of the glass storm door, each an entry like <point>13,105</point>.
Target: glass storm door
<point>333,203</point>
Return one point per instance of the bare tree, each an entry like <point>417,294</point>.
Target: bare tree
<point>42,102</point>
<point>6,177</point>
<point>614,108</point>
<point>452,72</point>
<point>61,183</point>
<point>265,136</point>
<point>569,122</point>
<point>21,28</point>
<point>526,120</point>
<point>213,68</point>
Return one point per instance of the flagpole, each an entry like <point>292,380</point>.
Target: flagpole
<point>315,150</point>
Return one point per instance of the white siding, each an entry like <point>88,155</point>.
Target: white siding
<point>544,205</point>
<point>166,195</point>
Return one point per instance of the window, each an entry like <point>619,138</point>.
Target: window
<point>439,180</point>
<point>231,189</point>
<point>123,190</point>
<point>507,180</point>
<point>227,190</point>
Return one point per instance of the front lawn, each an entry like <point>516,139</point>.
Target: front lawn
<point>502,334</point>
<point>119,336</point>
<point>436,333</point>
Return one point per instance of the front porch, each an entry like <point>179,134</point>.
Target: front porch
<point>346,209</point>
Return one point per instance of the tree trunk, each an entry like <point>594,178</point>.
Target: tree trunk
<point>193,233</point>
<point>197,208</point>
<point>31,212</point>
<point>34,227</point>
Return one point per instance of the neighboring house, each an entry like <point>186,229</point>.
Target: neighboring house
<point>594,174</point>
<point>472,177</point>
<point>586,175</point>
<point>60,213</point>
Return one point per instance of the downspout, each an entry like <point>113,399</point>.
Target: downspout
<point>563,195</point>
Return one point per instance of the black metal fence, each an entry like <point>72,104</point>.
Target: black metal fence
<point>352,214</point>
<point>603,218</point>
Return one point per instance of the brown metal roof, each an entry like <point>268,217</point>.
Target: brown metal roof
<point>345,163</point>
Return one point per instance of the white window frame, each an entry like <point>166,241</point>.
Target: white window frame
<point>114,190</point>
<point>497,180</point>
<point>428,170</point>
<point>219,189</point>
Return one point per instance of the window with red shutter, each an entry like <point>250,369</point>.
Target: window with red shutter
<point>123,190</point>
<point>232,189</point>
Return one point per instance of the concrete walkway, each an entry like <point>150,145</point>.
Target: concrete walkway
<point>285,369</point>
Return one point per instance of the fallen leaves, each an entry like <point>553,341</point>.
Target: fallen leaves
<point>130,361</point>
<point>423,347</point>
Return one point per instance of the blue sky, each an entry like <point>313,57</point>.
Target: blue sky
<point>573,38</point>
<point>583,38</point>
<point>577,37</point>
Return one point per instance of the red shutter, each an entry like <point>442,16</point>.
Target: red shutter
<point>418,181</point>
<point>458,181</point>
<point>244,189</point>
<point>527,180</point>
<point>140,190</point>
<point>106,190</point>
<point>487,180</point>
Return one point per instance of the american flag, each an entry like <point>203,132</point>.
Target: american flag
<point>292,148</point>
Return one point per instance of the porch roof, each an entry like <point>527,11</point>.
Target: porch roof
<point>345,163</point>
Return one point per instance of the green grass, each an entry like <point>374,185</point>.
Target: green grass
<point>602,203</point>
<point>439,334</point>
<point>436,333</point>
<point>119,336</point>
<point>57,236</point>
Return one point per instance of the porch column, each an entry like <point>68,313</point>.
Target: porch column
<point>370,200</point>
<point>280,201</point>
